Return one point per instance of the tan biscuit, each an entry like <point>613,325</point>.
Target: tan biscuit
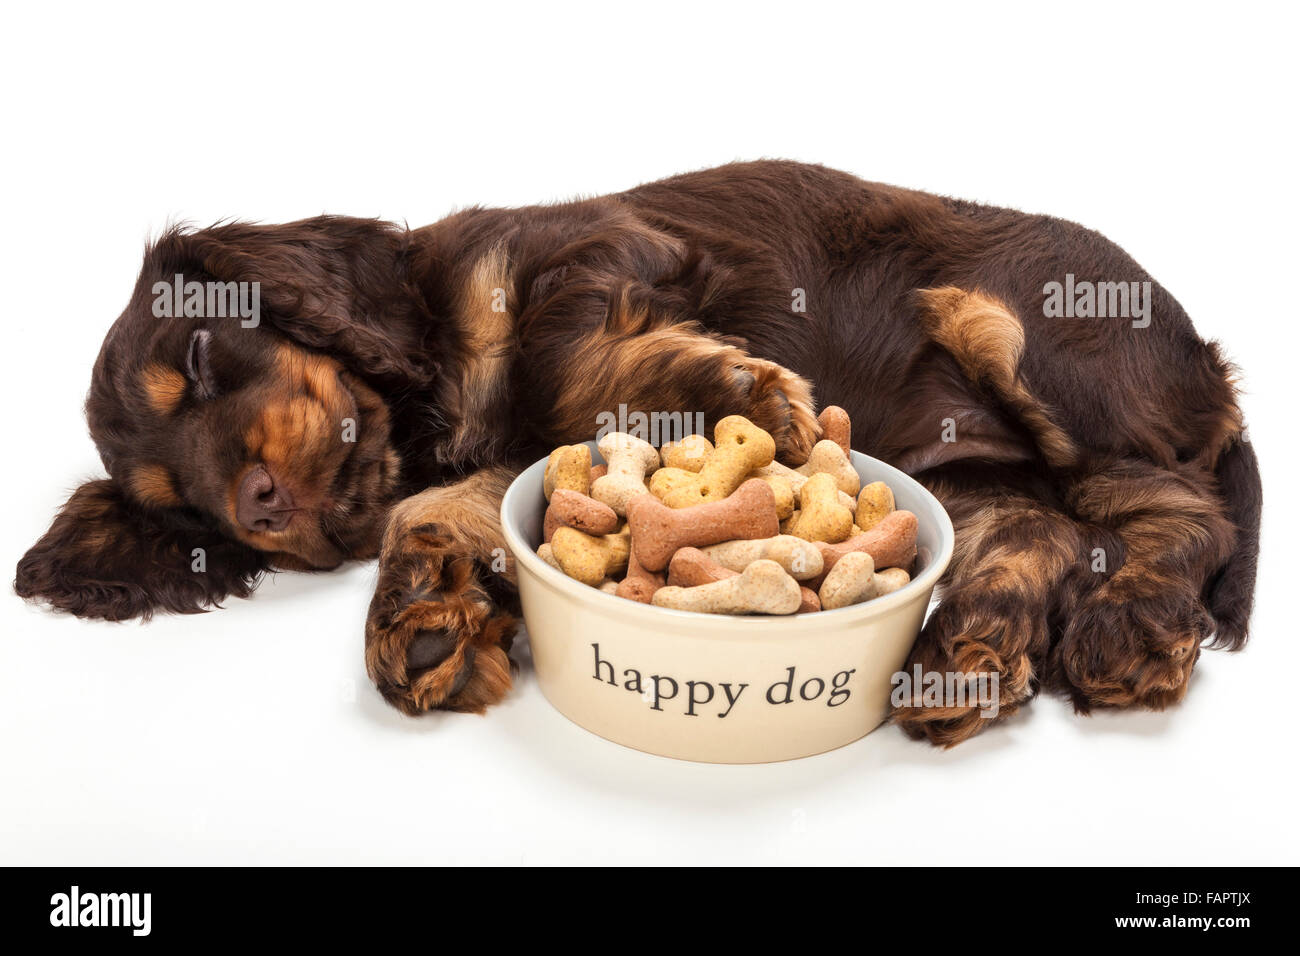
<point>874,502</point>
<point>784,495</point>
<point>740,446</point>
<point>762,588</point>
<point>777,470</point>
<point>797,557</point>
<point>629,460</point>
<point>691,567</point>
<point>828,458</point>
<point>689,454</point>
<point>590,559</point>
<point>854,580</point>
<point>668,479</point>
<point>851,581</point>
<point>891,579</point>
<point>547,554</point>
<point>569,466</point>
<point>821,516</point>
<point>796,482</point>
<point>665,482</point>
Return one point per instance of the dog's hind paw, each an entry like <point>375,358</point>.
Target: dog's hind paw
<point>1122,651</point>
<point>975,657</point>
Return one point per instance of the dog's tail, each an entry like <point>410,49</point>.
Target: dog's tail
<point>1230,594</point>
<point>988,342</point>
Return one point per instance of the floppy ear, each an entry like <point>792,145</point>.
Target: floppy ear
<point>106,557</point>
<point>334,283</point>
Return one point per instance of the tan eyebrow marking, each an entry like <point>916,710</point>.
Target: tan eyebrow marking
<point>314,374</point>
<point>163,387</point>
<point>153,485</point>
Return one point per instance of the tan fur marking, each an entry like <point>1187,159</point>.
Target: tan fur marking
<point>304,414</point>
<point>153,485</point>
<point>282,427</point>
<point>163,388</point>
<point>486,335</point>
<point>469,511</point>
<point>314,374</point>
<point>988,341</point>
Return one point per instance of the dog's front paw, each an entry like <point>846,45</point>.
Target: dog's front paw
<point>780,402</point>
<point>434,638</point>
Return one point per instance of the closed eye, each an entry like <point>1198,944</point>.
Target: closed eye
<point>198,367</point>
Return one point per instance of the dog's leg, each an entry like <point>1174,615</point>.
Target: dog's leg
<point>1133,632</point>
<point>436,637</point>
<point>1012,554</point>
<point>676,369</point>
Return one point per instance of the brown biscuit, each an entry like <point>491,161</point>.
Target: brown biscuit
<point>836,426</point>
<point>571,509</point>
<point>891,544</point>
<point>640,584</point>
<point>659,531</point>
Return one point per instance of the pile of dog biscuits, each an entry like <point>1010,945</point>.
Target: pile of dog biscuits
<point>722,527</point>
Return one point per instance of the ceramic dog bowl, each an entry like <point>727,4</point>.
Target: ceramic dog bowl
<point>725,689</point>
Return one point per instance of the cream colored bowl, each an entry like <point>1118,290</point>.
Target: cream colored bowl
<point>726,689</point>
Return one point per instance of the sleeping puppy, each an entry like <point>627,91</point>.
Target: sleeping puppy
<point>297,396</point>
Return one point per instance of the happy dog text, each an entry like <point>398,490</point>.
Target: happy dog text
<point>693,696</point>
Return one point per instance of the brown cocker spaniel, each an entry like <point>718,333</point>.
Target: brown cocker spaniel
<point>1106,502</point>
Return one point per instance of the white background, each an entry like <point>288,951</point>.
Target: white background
<point>252,735</point>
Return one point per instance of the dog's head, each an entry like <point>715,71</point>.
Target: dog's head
<point>237,407</point>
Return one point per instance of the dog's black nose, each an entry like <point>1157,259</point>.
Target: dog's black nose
<point>263,504</point>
